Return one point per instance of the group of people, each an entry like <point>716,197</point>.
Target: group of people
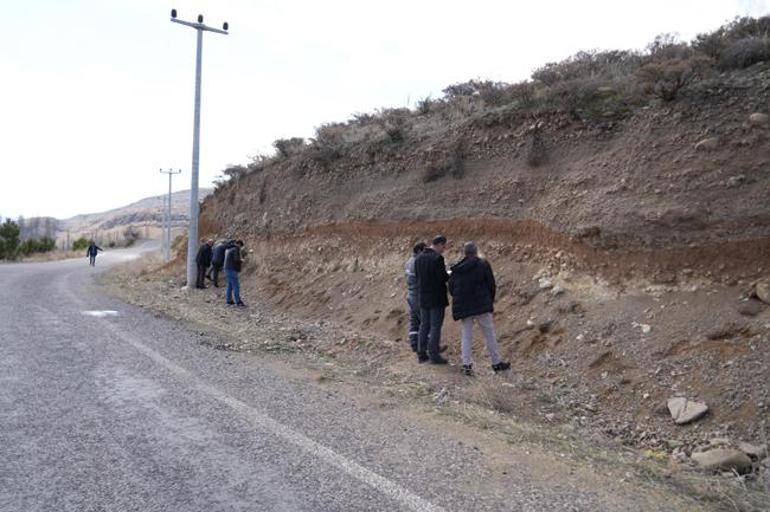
<point>471,284</point>
<point>225,255</point>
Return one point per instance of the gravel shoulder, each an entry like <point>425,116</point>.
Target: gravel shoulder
<point>561,460</point>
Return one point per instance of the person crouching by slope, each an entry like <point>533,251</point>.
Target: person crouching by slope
<point>472,285</point>
<point>218,261</point>
<point>412,295</point>
<point>233,263</point>
<point>432,277</point>
<point>203,260</point>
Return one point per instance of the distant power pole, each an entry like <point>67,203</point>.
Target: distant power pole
<point>167,238</point>
<point>192,231</point>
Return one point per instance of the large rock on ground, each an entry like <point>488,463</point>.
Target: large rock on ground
<point>759,119</point>
<point>684,411</point>
<point>723,459</point>
<point>762,290</point>
<point>709,144</point>
<point>753,451</point>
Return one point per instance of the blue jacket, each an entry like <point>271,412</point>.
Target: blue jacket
<point>93,250</point>
<point>218,254</point>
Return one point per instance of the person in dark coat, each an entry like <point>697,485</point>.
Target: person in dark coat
<point>412,295</point>
<point>203,260</point>
<point>473,288</point>
<point>91,253</point>
<point>430,269</point>
<point>218,261</point>
<point>233,264</point>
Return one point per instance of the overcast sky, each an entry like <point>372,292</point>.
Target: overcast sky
<point>96,96</point>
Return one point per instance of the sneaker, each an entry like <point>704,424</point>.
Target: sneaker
<point>240,303</point>
<point>230,303</point>
<point>468,370</point>
<point>421,358</point>
<point>438,360</point>
<point>501,366</point>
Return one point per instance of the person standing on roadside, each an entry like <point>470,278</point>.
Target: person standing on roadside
<point>233,263</point>
<point>432,278</point>
<point>91,253</point>
<point>412,295</point>
<point>203,260</point>
<point>473,288</point>
<point>218,261</point>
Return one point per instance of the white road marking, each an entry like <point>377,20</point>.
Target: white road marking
<point>100,313</point>
<point>267,424</point>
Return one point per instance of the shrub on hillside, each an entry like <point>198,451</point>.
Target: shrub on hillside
<point>745,52</point>
<point>715,43</point>
<point>394,123</point>
<point>289,147</point>
<point>425,105</point>
<point>80,244</point>
<point>608,65</point>
<point>666,78</point>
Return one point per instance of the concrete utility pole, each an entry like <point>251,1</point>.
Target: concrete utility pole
<point>167,234</point>
<point>192,232</point>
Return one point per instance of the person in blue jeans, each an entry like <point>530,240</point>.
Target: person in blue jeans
<point>233,264</point>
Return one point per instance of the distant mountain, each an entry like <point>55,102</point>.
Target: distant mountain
<point>145,211</point>
<point>145,215</point>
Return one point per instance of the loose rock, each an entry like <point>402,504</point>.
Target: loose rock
<point>709,144</point>
<point>723,459</point>
<point>759,119</point>
<point>684,411</point>
<point>762,291</point>
<point>753,451</point>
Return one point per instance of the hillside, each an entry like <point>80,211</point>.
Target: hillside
<point>621,197</point>
<point>145,211</point>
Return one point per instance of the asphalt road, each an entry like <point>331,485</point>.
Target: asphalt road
<point>107,407</point>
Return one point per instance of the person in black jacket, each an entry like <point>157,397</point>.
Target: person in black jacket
<point>233,263</point>
<point>473,289</point>
<point>430,269</point>
<point>203,260</point>
<point>218,261</point>
<point>91,253</point>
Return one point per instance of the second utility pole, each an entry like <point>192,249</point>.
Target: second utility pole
<point>167,234</point>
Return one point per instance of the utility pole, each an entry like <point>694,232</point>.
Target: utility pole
<point>192,231</point>
<point>167,236</point>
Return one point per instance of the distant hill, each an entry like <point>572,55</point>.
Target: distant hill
<point>145,211</point>
<point>145,215</point>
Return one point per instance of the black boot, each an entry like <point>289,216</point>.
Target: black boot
<point>501,366</point>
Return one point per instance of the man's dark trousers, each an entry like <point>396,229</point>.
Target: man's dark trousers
<point>431,321</point>
<point>200,281</point>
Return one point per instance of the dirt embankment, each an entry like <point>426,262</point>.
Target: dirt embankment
<point>624,257</point>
